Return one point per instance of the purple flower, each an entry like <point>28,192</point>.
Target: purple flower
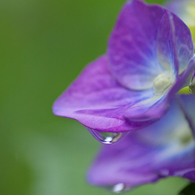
<point>165,148</point>
<point>148,60</point>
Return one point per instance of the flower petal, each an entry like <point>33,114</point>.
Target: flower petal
<point>188,105</point>
<point>132,45</point>
<point>147,112</point>
<point>174,44</point>
<point>96,100</point>
<point>147,155</point>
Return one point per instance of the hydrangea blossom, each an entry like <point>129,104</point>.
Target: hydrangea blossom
<point>148,60</point>
<point>165,148</point>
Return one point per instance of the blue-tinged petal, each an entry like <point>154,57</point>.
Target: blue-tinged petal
<point>152,109</point>
<point>174,44</point>
<point>132,45</point>
<point>100,103</point>
<point>185,9</point>
<point>188,105</point>
<point>166,148</point>
<point>96,100</point>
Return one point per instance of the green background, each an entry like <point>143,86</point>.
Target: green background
<point>44,45</point>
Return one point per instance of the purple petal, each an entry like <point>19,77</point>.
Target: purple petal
<point>96,100</point>
<point>174,44</point>
<point>188,106</point>
<point>132,45</point>
<point>147,112</point>
<point>160,150</point>
<point>139,51</point>
<point>100,103</point>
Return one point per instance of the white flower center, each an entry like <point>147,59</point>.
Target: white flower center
<point>162,82</point>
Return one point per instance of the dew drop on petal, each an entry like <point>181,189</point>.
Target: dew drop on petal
<point>107,138</point>
<point>118,188</point>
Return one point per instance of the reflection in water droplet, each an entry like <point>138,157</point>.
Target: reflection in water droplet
<point>107,138</point>
<point>118,188</point>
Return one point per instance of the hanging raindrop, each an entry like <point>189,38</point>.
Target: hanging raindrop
<point>106,137</point>
<point>118,188</point>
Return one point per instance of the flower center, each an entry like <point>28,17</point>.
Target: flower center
<point>162,82</point>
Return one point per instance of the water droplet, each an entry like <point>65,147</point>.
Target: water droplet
<point>107,138</point>
<point>118,188</point>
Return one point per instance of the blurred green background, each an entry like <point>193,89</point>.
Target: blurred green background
<point>44,45</point>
